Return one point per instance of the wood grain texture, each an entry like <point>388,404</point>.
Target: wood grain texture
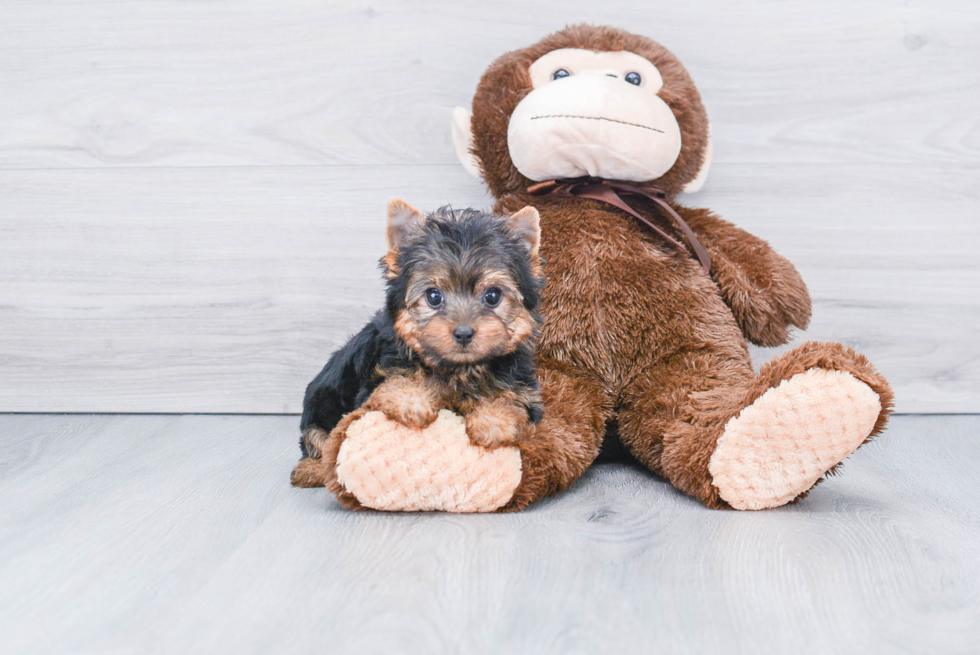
<point>224,290</point>
<point>191,193</point>
<point>180,534</point>
<point>299,82</point>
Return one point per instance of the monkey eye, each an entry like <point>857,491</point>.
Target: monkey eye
<point>560,73</point>
<point>492,296</point>
<point>633,78</point>
<point>433,296</point>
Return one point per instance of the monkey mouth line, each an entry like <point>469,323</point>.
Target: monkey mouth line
<point>598,118</point>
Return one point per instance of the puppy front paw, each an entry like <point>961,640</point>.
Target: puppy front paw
<point>496,424</point>
<point>414,411</point>
<point>405,402</point>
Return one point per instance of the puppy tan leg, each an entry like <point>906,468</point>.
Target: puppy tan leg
<point>497,422</point>
<point>411,401</point>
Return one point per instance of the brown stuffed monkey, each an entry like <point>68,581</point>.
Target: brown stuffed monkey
<point>647,309</point>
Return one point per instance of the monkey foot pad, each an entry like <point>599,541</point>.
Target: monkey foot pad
<point>780,445</point>
<point>388,466</point>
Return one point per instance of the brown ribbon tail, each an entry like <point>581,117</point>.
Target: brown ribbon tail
<point>606,194</point>
<point>699,250</point>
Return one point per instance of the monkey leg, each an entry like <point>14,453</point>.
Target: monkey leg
<point>733,439</point>
<point>556,451</point>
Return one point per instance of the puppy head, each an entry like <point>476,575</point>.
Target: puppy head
<point>463,286</point>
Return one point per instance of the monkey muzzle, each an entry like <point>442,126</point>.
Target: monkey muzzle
<point>593,125</point>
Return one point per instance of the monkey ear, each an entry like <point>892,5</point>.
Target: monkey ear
<point>463,141</point>
<point>698,181</point>
<point>402,220</point>
<point>526,225</point>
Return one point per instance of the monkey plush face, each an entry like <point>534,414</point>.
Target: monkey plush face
<point>587,100</point>
<point>593,113</point>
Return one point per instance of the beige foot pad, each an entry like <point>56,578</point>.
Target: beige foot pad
<point>780,445</point>
<point>391,467</point>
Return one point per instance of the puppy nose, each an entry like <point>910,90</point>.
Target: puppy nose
<point>463,334</point>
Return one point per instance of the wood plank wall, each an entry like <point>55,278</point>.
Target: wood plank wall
<point>192,193</point>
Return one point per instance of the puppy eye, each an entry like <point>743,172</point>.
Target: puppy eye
<point>633,78</point>
<point>560,73</point>
<point>492,296</point>
<point>434,297</point>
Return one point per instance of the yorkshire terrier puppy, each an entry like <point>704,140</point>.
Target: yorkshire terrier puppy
<point>458,330</point>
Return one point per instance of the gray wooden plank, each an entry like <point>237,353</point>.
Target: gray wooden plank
<point>224,289</point>
<point>169,82</point>
<point>180,534</point>
<point>132,290</point>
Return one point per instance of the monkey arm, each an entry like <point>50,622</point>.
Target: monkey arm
<point>763,289</point>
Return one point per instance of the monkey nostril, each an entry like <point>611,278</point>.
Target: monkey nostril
<point>463,334</point>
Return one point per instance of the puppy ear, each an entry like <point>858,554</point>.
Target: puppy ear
<point>526,225</point>
<point>463,141</point>
<point>403,219</point>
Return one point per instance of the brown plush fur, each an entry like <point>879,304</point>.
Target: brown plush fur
<point>635,331</point>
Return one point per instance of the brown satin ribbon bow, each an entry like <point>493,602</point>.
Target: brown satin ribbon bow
<point>609,191</point>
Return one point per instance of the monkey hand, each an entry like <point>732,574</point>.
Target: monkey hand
<point>763,289</point>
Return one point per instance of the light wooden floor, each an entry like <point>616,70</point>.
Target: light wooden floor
<point>136,534</point>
